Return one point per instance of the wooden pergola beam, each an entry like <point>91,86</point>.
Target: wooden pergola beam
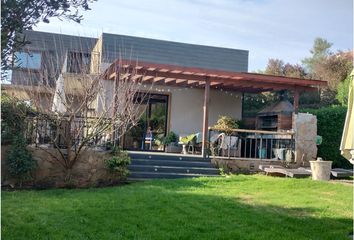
<point>147,78</point>
<point>205,117</point>
<point>162,74</point>
<point>213,73</point>
<point>158,79</point>
<point>169,80</point>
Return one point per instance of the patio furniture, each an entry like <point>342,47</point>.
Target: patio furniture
<point>183,140</point>
<point>191,143</point>
<point>293,173</point>
<point>148,139</point>
<point>184,148</point>
<point>195,143</point>
<point>227,144</point>
<point>341,173</point>
<point>263,167</point>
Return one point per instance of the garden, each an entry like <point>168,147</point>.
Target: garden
<point>234,207</point>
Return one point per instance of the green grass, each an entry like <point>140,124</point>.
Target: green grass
<point>239,207</point>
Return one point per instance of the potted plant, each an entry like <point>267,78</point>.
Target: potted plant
<point>158,141</point>
<point>171,143</point>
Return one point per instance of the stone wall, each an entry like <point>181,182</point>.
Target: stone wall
<point>305,126</point>
<point>242,165</point>
<point>89,170</point>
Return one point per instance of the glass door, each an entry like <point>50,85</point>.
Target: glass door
<point>152,126</point>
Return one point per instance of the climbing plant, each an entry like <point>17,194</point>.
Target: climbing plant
<point>20,163</point>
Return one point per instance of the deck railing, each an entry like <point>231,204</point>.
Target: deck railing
<point>252,144</point>
<point>44,130</point>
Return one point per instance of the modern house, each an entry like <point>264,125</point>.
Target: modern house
<point>192,85</point>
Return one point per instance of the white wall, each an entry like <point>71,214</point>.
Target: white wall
<point>186,106</point>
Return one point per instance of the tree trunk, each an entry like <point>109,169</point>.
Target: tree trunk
<point>68,176</point>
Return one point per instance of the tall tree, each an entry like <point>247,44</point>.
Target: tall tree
<point>333,67</point>
<point>83,116</point>
<point>319,52</point>
<point>20,15</point>
<point>294,70</point>
<point>278,68</point>
<point>275,67</point>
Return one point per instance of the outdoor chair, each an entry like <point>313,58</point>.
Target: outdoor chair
<point>148,140</point>
<point>195,144</point>
<point>192,145</point>
<point>227,145</point>
<point>191,142</point>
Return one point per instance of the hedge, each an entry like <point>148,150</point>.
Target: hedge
<point>330,123</point>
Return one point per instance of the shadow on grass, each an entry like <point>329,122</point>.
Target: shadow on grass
<point>160,210</point>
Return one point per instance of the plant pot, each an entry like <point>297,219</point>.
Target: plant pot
<point>321,170</point>
<point>135,144</point>
<point>173,149</point>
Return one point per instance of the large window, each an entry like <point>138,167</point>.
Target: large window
<point>28,60</point>
<point>152,126</point>
<point>78,62</point>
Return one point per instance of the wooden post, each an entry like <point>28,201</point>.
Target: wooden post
<point>296,101</point>
<point>205,116</point>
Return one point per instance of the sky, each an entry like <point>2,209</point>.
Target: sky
<point>283,29</point>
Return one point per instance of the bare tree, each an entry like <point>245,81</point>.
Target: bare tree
<point>94,110</point>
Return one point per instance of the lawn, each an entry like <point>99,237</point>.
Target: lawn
<point>238,207</point>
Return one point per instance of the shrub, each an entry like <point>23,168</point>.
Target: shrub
<point>20,162</point>
<point>226,124</point>
<point>13,115</point>
<point>343,90</point>
<point>330,122</point>
<point>118,163</point>
<point>171,137</point>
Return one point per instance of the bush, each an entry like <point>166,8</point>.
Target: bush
<point>118,163</point>
<point>171,137</point>
<point>13,115</point>
<point>20,162</point>
<point>226,124</point>
<point>342,91</point>
<point>330,122</point>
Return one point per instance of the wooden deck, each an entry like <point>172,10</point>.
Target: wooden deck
<point>341,173</point>
<point>276,170</point>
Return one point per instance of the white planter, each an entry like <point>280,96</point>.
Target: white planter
<point>321,170</point>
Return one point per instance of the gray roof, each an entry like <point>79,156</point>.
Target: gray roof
<point>174,53</point>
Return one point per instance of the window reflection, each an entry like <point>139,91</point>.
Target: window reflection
<point>28,60</point>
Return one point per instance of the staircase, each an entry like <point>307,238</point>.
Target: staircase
<point>146,165</point>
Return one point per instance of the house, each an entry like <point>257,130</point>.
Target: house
<point>191,85</point>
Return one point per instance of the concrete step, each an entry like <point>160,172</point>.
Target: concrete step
<point>175,163</point>
<point>170,157</point>
<point>159,175</point>
<point>173,169</point>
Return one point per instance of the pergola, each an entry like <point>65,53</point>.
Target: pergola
<point>172,75</point>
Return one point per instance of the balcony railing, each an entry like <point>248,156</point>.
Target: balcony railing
<point>44,130</point>
<point>252,144</point>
